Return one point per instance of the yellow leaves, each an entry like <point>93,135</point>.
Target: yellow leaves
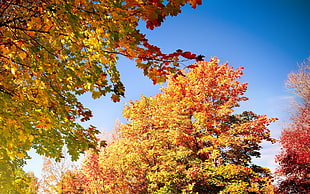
<point>20,155</point>
<point>11,154</point>
<point>88,86</point>
<point>188,107</point>
<point>58,50</point>
<point>30,138</point>
<point>61,49</point>
<point>186,137</point>
<point>236,187</point>
<point>13,70</point>
<point>22,55</point>
<point>23,138</point>
<point>103,60</point>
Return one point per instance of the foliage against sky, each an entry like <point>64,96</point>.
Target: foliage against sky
<point>53,171</point>
<point>294,159</point>
<point>185,139</point>
<point>53,50</point>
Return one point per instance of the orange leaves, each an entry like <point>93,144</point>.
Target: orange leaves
<point>194,172</point>
<point>115,98</point>
<point>187,138</point>
<point>53,51</point>
<point>194,3</point>
<point>188,55</point>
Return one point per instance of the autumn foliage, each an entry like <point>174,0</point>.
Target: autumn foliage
<point>53,50</point>
<point>294,159</point>
<point>186,139</point>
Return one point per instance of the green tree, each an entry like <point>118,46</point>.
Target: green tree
<point>20,182</point>
<point>53,50</point>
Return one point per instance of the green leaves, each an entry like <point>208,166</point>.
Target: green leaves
<point>52,51</point>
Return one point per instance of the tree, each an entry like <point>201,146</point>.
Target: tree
<point>72,182</point>
<point>294,159</point>
<point>53,50</point>
<point>91,177</point>
<point>187,139</point>
<point>53,171</point>
<point>88,179</point>
<point>21,182</point>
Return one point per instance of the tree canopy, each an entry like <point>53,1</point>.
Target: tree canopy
<point>53,50</point>
<point>186,139</point>
<point>294,159</point>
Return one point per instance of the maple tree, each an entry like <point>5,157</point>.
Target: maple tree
<point>186,139</point>
<point>53,50</point>
<point>294,159</point>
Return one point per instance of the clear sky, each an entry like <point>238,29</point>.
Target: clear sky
<point>269,38</point>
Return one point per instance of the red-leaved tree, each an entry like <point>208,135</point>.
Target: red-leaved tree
<point>294,159</point>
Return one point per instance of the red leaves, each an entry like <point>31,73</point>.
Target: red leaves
<point>151,24</point>
<point>152,48</point>
<point>188,55</point>
<point>192,66</point>
<point>115,98</point>
<point>194,3</point>
<point>294,158</point>
<point>157,65</point>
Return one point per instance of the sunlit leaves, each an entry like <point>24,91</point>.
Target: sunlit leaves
<point>186,139</point>
<point>51,51</point>
<point>191,127</point>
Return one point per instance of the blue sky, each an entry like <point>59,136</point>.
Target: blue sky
<point>269,38</point>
